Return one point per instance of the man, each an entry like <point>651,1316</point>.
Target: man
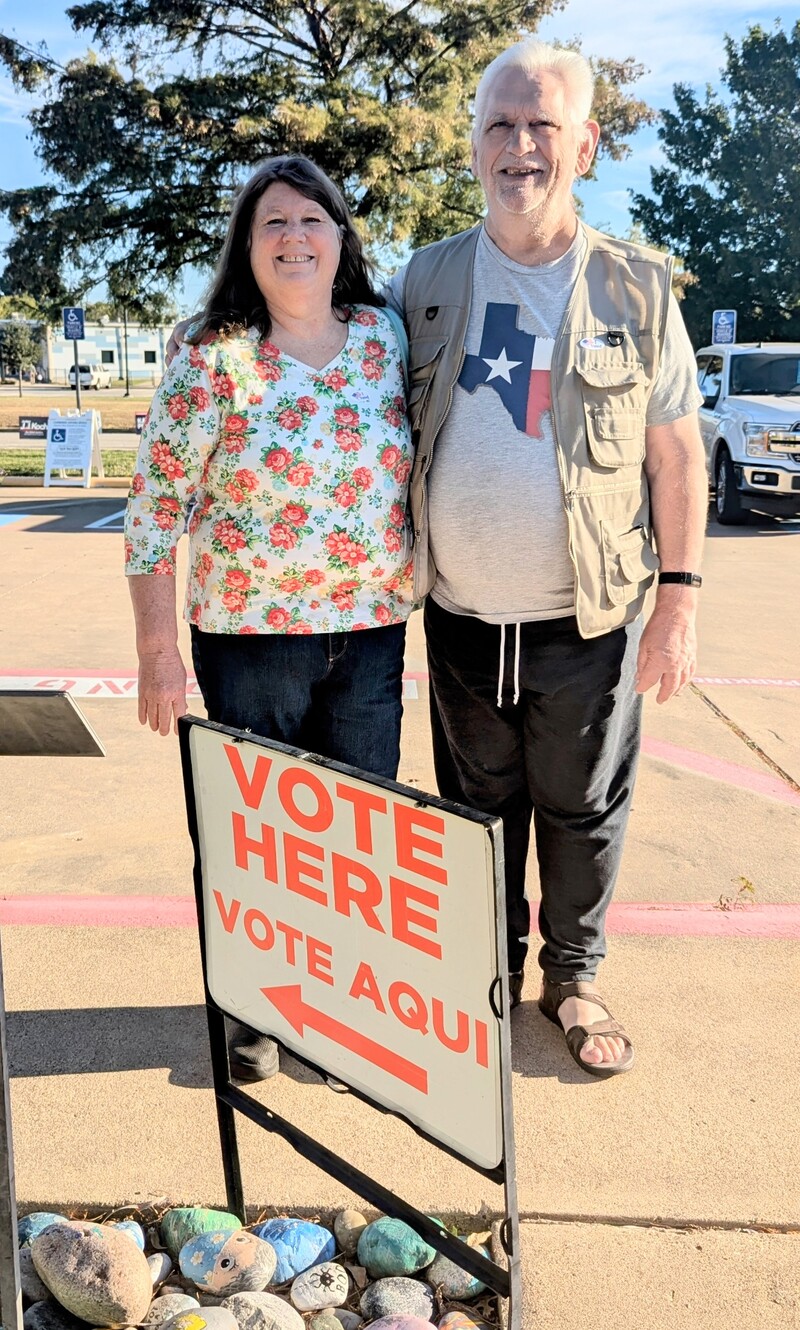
<point>553,400</point>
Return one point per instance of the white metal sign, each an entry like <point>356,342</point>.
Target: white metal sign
<point>73,444</point>
<point>358,927</point>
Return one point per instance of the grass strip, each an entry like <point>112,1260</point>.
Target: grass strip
<point>24,462</point>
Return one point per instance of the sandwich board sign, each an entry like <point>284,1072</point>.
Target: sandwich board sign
<point>73,444</point>
<point>361,924</point>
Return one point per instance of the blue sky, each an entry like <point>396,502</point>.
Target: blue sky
<point>676,40</point>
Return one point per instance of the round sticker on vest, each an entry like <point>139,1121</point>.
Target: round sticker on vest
<point>593,343</point>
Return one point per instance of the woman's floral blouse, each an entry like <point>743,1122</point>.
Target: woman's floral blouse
<point>293,481</point>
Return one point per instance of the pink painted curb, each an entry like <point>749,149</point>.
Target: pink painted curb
<point>678,919</point>
<point>744,778</point>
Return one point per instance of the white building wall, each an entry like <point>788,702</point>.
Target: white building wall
<point>146,347</point>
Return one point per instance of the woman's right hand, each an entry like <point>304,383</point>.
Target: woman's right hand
<point>177,338</point>
<point>162,690</point>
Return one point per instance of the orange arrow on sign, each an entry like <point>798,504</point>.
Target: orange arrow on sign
<point>289,1001</point>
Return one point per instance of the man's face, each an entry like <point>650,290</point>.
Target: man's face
<point>528,149</point>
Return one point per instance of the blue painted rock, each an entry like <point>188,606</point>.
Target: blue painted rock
<point>30,1226</point>
<point>160,1267</point>
<point>397,1297</point>
<point>170,1306</point>
<point>179,1226</point>
<point>298,1245</point>
<point>401,1323</point>
<point>389,1247</point>
<point>133,1230</point>
<point>454,1282</point>
<point>325,1285</point>
<point>347,1229</point>
<point>263,1311</point>
<point>203,1318</point>
<point>96,1272</point>
<point>225,1263</point>
<point>31,1285</point>
<point>461,1321</point>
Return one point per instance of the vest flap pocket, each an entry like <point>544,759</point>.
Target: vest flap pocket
<point>610,376</point>
<point>425,355</point>
<point>629,563</point>
<point>614,402</point>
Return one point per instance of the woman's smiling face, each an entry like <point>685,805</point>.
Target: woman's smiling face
<point>294,246</point>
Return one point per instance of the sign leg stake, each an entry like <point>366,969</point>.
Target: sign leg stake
<point>226,1118</point>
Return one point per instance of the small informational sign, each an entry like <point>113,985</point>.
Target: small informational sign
<point>140,418</point>
<point>73,323</point>
<point>73,444</point>
<point>723,327</point>
<point>358,925</point>
<point>33,427</point>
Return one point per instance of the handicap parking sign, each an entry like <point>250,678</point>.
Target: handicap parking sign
<point>723,327</point>
<point>73,323</point>
<point>59,435</point>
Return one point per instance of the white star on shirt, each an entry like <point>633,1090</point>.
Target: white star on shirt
<point>501,367</point>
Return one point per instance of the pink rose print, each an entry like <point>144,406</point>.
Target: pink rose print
<point>295,629</point>
<point>164,461</point>
<point>399,405</point>
<point>308,405</point>
<point>289,419</point>
<point>246,479</point>
<point>164,519</point>
<point>396,515</point>
<point>247,628</point>
<point>277,618</point>
<point>366,318</point>
<point>283,536</point>
<point>373,369</point>
<point>401,472</point>
<point>258,562</point>
<point>383,614</point>
<point>238,579</point>
<point>234,492</point>
<point>138,483</point>
<point>196,358</point>
<point>229,536</point>
<point>300,474</point>
<point>340,546</point>
<point>291,584</point>
<point>342,595</point>
<point>223,385</point>
<point>253,399</point>
<point>128,551</point>
<point>268,371</point>
<point>277,460</point>
<point>199,398</point>
<point>235,424</point>
<point>390,457</point>
<point>205,565</point>
<point>392,540</point>
<point>345,415</point>
<point>196,614</point>
<point>375,350</point>
<point>178,407</point>
<point>335,379</point>
<point>348,440</point>
<point>362,476</point>
<point>345,495</point>
<point>234,602</point>
<point>295,514</point>
<point>392,417</point>
<point>268,348</point>
<point>163,568</point>
<point>314,577</point>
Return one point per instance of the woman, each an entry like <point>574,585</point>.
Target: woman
<point>281,435</point>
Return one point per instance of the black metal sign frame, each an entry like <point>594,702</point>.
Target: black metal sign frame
<point>505,1279</point>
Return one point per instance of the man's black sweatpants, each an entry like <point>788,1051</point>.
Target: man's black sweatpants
<point>565,753</point>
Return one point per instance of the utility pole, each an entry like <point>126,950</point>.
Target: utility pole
<point>125,335</point>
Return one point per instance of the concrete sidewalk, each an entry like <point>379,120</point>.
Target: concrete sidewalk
<point>666,1198</point>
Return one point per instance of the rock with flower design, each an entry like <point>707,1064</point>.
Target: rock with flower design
<point>389,1247</point>
<point>298,1245</point>
<point>263,1311</point>
<point>325,1285</point>
<point>397,1297</point>
<point>202,1318</point>
<point>180,1225</point>
<point>225,1263</point>
<point>133,1230</point>
<point>462,1321</point>
<point>94,1271</point>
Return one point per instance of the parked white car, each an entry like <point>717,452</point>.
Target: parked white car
<point>750,422</point>
<point>92,376</point>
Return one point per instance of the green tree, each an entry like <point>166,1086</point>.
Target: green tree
<point>20,348</point>
<point>728,201</point>
<point>147,143</point>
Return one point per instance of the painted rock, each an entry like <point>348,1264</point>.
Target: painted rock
<point>389,1247</point>
<point>50,1316</point>
<point>133,1229</point>
<point>202,1318</point>
<point>181,1225</point>
<point>30,1226</point>
<point>170,1306</point>
<point>31,1285</point>
<point>97,1273</point>
<point>263,1311</point>
<point>160,1267</point>
<point>298,1245</point>
<point>347,1229</point>
<point>397,1297</point>
<point>325,1320</point>
<point>325,1285</point>
<point>225,1263</point>
<point>454,1282</point>
<point>461,1321</point>
<point>347,1320</point>
<point>401,1323</point>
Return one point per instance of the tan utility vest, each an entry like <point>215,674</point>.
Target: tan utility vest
<point>604,364</point>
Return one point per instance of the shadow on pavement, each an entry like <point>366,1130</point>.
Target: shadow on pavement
<point>539,1050</point>
<point>756,524</point>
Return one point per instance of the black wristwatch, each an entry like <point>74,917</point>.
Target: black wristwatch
<point>683,579</point>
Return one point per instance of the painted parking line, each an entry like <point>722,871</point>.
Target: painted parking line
<point>8,519</point>
<point>107,522</point>
<point>671,919</point>
<point>84,683</point>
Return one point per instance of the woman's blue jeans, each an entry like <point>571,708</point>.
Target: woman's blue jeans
<point>336,694</point>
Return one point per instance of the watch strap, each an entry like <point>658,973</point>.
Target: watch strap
<point>682,579</point>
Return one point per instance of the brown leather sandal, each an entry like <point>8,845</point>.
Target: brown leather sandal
<point>577,1036</point>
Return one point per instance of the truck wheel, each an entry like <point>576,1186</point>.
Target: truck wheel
<point>727,504</point>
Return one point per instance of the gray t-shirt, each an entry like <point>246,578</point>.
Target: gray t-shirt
<point>498,530</point>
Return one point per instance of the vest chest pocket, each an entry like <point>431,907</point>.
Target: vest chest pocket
<point>629,563</point>
<point>614,405</point>
<point>425,354</point>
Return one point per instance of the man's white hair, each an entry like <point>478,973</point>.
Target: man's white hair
<point>533,57</point>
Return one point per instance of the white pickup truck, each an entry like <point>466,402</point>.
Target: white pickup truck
<point>750,422</point>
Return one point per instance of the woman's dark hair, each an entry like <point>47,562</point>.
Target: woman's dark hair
<point>234,301</point>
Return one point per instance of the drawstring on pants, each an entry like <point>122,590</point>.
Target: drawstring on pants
<point>501,672</point>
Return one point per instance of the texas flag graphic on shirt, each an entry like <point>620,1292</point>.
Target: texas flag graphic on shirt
<point>515,365</point>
